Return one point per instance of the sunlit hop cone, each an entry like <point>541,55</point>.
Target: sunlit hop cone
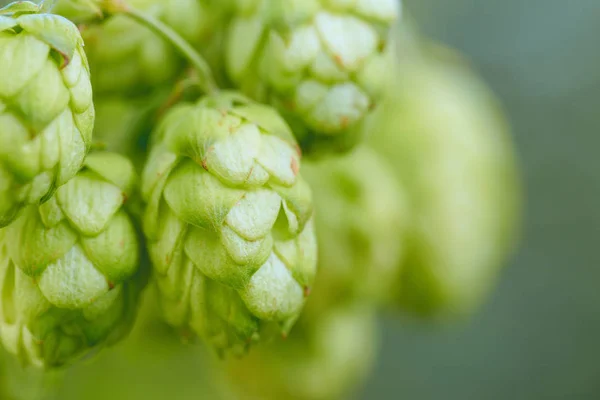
<point>361,219</point>
<point>68,268</point>
<point>323,63</point>
<point>449,143</point>
<point>326,357</point>
<point>46,110</point>
<point>228,220</point>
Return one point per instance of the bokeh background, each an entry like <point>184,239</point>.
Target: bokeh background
<point>538,337</point>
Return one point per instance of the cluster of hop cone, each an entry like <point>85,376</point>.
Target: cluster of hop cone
<point>260,178</point>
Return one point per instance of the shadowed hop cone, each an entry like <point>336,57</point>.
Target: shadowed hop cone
<point>69,268</point>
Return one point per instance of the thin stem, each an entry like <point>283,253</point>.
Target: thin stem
<point>207,80</point>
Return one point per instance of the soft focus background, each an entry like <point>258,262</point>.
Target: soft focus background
<point>539,335</point>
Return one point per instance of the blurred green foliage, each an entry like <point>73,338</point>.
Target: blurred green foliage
<point>537,338</point>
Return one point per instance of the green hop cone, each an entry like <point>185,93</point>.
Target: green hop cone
<point>228,220</point>
<point>128,58</point>
<point>46,108</point>
<point>322,63</point>
<point>325,358</point>
<point>449,144</point>
<point>68,268</point>
<point>361,218</point>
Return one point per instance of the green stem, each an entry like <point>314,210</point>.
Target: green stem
<point>207,80</point>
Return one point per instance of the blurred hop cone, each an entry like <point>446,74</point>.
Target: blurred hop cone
<point>322,63</point>
<point>326,357</point>
<point>228,221</point>
<point>448,142</point>
<point>361,218</point>
<point>128,58</point>
<point>69,276</point>
<point>46,108</point>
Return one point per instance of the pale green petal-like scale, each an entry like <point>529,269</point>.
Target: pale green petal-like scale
<point>273,293</point>
<point>72,281</point>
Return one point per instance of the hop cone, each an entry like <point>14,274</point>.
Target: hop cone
<point>323,63</point>
<point>46,109</point>
<point>361,218</point>
<point>128,58</point>
<point>448,142</point>
<point>325,358</point>
<point>228,220</point>
<point>67,267</point>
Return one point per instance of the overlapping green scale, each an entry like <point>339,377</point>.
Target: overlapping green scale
<point>327,356</point>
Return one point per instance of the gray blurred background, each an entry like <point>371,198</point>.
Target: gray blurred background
<point>539,336</point>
